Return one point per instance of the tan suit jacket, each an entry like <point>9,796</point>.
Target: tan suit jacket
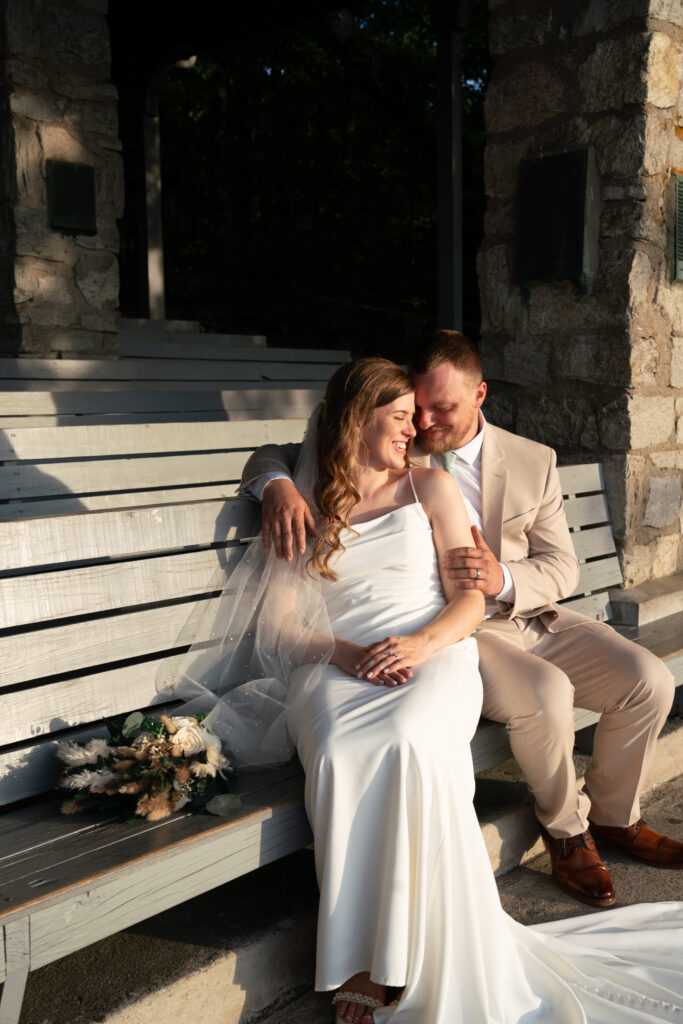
<point>523,519</point>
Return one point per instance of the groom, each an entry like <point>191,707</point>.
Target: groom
<point>537,659</point>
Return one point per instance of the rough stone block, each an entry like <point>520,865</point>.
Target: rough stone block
<point>530,93</point>
<point>664,70</point>
<point>61,144</point>
<point>558,422</point>
<point>28,155</point>
<point>667,10</point>
<point>101,118</point>
<point>677,363</point>
<point>619,145</point>
<point>667,460</point>
<point>642,283</point>
<point>501,167</point>
<point>500,218</point>
<point>96,91</point>
<point>37,106</point>
<point>527,361</point>
<point>501,303</point>
<point>669,298</point>
<point>664,501</point>
<point>614,74</point>
<point>652,420</point>
<point>560,307</point>
<point>97,278</point>
<point>22,19</point>
<point>636,563</point>
<point>78,36</point>
<point>530,25</point>
<point>43,281</point>
<point>644,361</point>
<point>614,425</point>
<point>679,421</point>
<point>598,15</point>
<point>25,76</point>
<point>665,556</point>
<point>657,144</point>
<point>592,358</point>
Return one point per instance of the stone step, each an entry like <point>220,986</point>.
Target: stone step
<point>647,602</point>
<point>244,953</point>
<point>142,324</point>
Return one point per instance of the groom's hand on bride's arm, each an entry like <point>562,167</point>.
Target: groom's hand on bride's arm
<point>475,568</point>
<point>286,519</point>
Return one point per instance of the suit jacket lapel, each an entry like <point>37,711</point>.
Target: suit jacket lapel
<point>494,479</point>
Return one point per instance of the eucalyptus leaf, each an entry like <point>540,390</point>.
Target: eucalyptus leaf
<point>132,723</point>
<point>225,803</point>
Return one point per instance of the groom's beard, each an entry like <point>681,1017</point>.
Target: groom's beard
<point>439,440</point>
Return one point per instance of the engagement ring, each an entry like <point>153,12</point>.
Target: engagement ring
<point>478,576</point>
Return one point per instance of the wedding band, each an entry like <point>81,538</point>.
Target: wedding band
<point>478,576</point>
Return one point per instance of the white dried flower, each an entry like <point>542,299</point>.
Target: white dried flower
<point>73,754</point>
<point>202,770</point>
<point>189,738</point>
<point>98,748</point>
<point>94,781</point>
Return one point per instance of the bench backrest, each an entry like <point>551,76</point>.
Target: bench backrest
<point>110,536</point>
<point>109,539</point>
<point>585,504</point>
<point>166,380</point>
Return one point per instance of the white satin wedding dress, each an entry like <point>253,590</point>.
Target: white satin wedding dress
<point>406,890</point>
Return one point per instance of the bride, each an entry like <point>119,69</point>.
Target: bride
<point>410,926</point>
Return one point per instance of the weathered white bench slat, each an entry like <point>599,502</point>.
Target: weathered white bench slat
<point>604,572</point>
<point>269,401</point>
<point>210,385</point>
<point>582,478</point>
<point>82,645</point>
<point>93,441</point>
<point>87,590</point>
<point>201,346</point>
<point>587,511</point>
<point>596,606</point>
<point>51,708</point>
<point>69,505</point>
<point>108,535</point>
<point>162,369</point>
<point>37,479</point>
<point>593,543</point>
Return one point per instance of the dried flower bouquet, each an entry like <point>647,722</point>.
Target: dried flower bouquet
<point>153,765</point>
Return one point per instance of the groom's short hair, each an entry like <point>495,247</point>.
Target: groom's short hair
<point>447,347</point>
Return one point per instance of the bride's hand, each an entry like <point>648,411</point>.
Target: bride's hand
<point>349,657</point>
<point>390,661</point>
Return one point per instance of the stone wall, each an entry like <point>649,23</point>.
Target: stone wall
<point>58,292</point>
<point>597,375</point>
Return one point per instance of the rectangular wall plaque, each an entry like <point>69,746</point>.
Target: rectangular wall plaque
<point>558,218</point>
<point>71,198</point>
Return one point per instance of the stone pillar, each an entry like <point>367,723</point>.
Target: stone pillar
<point>599,374</point>
<point>58,292</point>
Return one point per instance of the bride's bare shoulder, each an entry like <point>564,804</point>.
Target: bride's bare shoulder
<point>433,482</point>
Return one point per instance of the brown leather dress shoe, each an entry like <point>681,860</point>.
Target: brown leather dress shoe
<point>578,870</point>
<point>642,843</point>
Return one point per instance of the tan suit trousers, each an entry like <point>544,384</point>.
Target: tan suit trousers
<point>532,680</point>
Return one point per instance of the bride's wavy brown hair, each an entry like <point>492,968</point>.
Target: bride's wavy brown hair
<point>353,393</point>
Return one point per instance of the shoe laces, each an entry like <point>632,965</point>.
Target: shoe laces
<point>573,843</point>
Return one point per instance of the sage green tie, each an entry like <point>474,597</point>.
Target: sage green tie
<point>449,461</point>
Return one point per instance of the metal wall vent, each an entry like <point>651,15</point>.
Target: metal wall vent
<point>71,198</point>
<point>678,229</point>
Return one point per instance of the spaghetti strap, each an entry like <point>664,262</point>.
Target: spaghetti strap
<point>410,477</point>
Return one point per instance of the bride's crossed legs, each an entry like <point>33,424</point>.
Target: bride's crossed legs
<point>388,775</point>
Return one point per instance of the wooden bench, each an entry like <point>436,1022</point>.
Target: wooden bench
<point>109,537</point>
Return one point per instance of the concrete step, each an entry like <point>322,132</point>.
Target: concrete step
<point>142,324</point>
<point>656,599</point>
<point>244,953</point>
